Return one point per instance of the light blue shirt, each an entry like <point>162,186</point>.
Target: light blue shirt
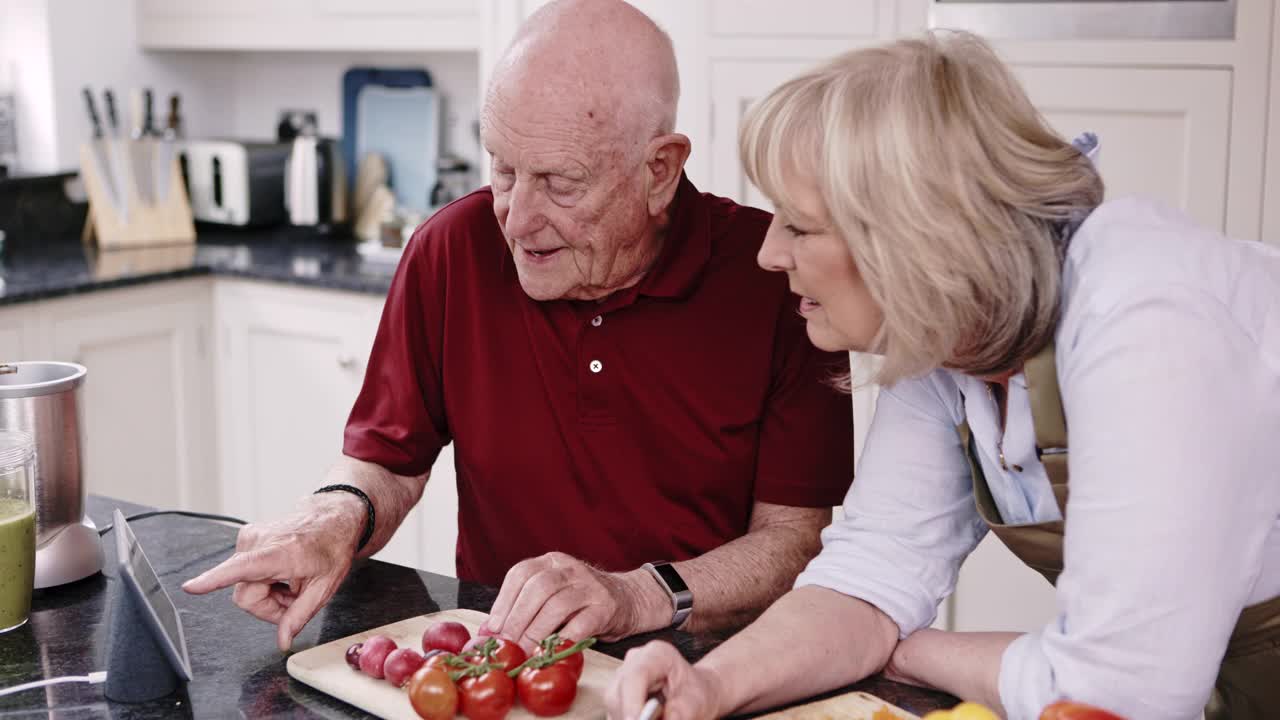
<point>1168,357</point>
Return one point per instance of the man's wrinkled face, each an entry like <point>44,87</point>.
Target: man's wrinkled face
<point>570,199</point>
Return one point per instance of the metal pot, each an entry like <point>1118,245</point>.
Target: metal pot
<point>42,398</point>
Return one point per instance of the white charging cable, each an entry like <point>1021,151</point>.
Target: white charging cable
<point>93,678</point>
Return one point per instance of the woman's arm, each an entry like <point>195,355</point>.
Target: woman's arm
<point>811,640</point>
<point>909,522</point>
<point>966,665</point>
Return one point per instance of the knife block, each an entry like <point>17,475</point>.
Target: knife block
<point>119,215</point>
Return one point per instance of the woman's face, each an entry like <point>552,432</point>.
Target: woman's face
<point>803,243</point>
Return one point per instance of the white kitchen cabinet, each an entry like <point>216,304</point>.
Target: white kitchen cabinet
<point>290,364</point>
<point>1271,203</point>
<point>146,400</point>
<point>805,18</point>
<point>15,327</point>
<point>735,86</point>
<point>996,592</point>
<point>374,25</point>
<point>1165,132</point>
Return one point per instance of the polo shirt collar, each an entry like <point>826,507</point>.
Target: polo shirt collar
<point>686,249</point>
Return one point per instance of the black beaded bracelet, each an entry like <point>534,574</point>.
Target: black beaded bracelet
<point>368,506</point>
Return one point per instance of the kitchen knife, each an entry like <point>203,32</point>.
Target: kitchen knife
<point>109,102</point>
<point>117,156</point>
<point>94,120</point>
<point>652,709</point>
<point>164,153</point>
<point>98,144</point>
<point>148,114</point>
<point>141,157</point>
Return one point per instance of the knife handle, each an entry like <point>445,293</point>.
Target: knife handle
<point>137,115</point>
<point>94,120</point>
<point>148,113</point>
<point>109,101</point>
<point>173,124</point>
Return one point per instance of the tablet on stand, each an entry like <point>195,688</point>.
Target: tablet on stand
<point>146,648</point>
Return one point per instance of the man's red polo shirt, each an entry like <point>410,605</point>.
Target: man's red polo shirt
<point>636,429</point>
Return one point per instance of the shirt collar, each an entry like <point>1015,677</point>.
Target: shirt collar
<point>686,249</point>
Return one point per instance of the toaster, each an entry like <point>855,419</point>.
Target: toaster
<point>235,182</point>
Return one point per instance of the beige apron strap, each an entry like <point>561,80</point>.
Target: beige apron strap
<point>1041,372</point>
<point>1048,418</point>
<point>1039,546</point>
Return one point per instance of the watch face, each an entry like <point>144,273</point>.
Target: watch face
<point>671,578</point>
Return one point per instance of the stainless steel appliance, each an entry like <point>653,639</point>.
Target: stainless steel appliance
<point>42,398</point>
<point>1088,19</point>
<point>234,182</point>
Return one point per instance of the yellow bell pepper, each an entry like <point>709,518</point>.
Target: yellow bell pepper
<point>963,711</point>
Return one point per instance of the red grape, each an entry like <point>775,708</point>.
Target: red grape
<point>447,636</point>
<point>374,654</point>
<point>353,656</point>
<point>401,664</point>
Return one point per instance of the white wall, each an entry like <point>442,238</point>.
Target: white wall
<point>24,41</point>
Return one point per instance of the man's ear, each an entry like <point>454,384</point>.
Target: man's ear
<point>665,158</point>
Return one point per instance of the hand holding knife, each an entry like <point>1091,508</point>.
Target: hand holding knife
<point>652,709</point>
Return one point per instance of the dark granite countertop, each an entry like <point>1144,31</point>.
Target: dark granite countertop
<point>238,670</point>
<point>58,267</point>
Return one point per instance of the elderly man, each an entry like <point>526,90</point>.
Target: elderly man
<point>633,402</point>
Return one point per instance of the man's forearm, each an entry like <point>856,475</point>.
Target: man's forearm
<point>735,582</point>
<point>393,496</point>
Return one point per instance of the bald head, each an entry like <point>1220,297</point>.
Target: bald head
<point>578,122</point>
<point>601,58</point>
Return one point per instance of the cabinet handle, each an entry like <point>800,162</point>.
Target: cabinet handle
<point>346,362</point>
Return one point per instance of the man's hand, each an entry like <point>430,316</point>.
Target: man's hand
<point>556,592</point>
<point>690,692</point>
<point>286,570</point>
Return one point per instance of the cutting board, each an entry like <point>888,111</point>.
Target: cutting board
<point>850,706</point>
<point>324,668</point>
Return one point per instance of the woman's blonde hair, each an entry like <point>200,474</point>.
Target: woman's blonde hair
<point>948,186</point>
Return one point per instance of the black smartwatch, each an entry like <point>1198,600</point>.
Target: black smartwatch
<point>677,590</point>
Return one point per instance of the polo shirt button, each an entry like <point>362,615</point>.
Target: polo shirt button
<point>596,366</point>
<point>597,321</point>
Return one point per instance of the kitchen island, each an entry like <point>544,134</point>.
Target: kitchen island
<point>238,670</point>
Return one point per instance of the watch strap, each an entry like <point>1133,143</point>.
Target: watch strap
<point>676,588</point>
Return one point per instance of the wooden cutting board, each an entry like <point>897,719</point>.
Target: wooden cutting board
<point>850,706</point>
<point>325,668</point>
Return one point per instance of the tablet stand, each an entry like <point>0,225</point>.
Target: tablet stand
<point>137,667</point>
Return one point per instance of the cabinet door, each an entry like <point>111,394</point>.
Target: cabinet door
<point>1164,132</point>
<point>1271,200</point>
<point>374,25</point>
<point>146,398</point>
<point>735,85</point>
<point>291,362</point>
<point>13,334</point>
<point>996,592</point>
<point>798,18</point>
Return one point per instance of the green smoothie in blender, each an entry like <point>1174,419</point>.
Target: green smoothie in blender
<point>17,560</point>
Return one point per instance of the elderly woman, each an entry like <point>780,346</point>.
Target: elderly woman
<point>927,213</point>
